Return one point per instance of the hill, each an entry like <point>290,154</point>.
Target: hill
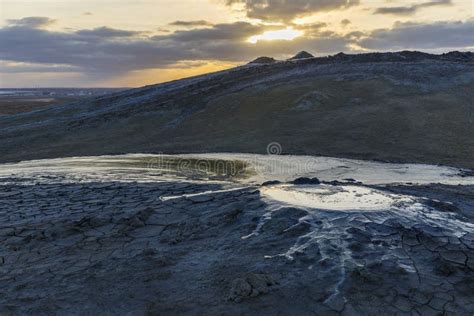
<point>301,55</point>
<point>404,106</point>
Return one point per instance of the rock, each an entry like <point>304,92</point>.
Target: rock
<point>334,183</point>
<point>303,181</point>
<point>350,180</point>
<point>270,183</point>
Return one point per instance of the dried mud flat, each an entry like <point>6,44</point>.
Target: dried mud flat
<point>123,240</point>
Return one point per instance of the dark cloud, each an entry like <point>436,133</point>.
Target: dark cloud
<point>422,36</point>
<point>356,35</point>
<point>407,10</point>
<point>287,10</point>
<point>107,32</point>
<point>191,23</point>
<point>87,13</point>
<point>345,22</point>
<point>32,22</point>
<point>98,52</point>
<point>91,54</point>
<point>106,52</point>
<point>312,29</point>
<point>227,31</point>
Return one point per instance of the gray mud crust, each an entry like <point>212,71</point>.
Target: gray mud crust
<point>122,248</point>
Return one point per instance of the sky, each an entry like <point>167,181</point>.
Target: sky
<point>131,43</point>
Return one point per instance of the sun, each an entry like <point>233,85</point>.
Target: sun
<point>287,34</point>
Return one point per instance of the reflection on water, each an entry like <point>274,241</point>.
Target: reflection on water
<point>140,168</point>
<point>245,168</point>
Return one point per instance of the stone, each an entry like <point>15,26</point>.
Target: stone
<point>271,183</point>
<point>303,181</point>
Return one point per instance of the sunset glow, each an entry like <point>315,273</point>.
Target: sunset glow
<point>286,34</point>
<point>122,42</point>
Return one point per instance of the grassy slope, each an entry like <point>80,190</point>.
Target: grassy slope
<point>382,122</point>
<point>370,117</point>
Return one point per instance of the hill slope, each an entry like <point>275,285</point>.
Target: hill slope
<point>405,106</point>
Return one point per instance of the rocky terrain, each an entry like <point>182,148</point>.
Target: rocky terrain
<point>404,107</point>
<point>123,235</point>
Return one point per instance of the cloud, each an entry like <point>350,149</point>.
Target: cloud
<point>87,13</point>
<point>107,32</point>
<point>345,22</point>
<point>225,31</point>
<point>109,52</point>
<point>13,67</point>
<point>408,10</point>
<point>32,22</point>
<point>91,54</point>
<point>104,52</point>
<point>287,10</point>
<point>312,29</point>
<point>191,23</point>
<point>439,35</point>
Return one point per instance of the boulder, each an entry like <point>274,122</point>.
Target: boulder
<point>301,181</point>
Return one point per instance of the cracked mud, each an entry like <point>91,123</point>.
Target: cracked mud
<point>89,243</point>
